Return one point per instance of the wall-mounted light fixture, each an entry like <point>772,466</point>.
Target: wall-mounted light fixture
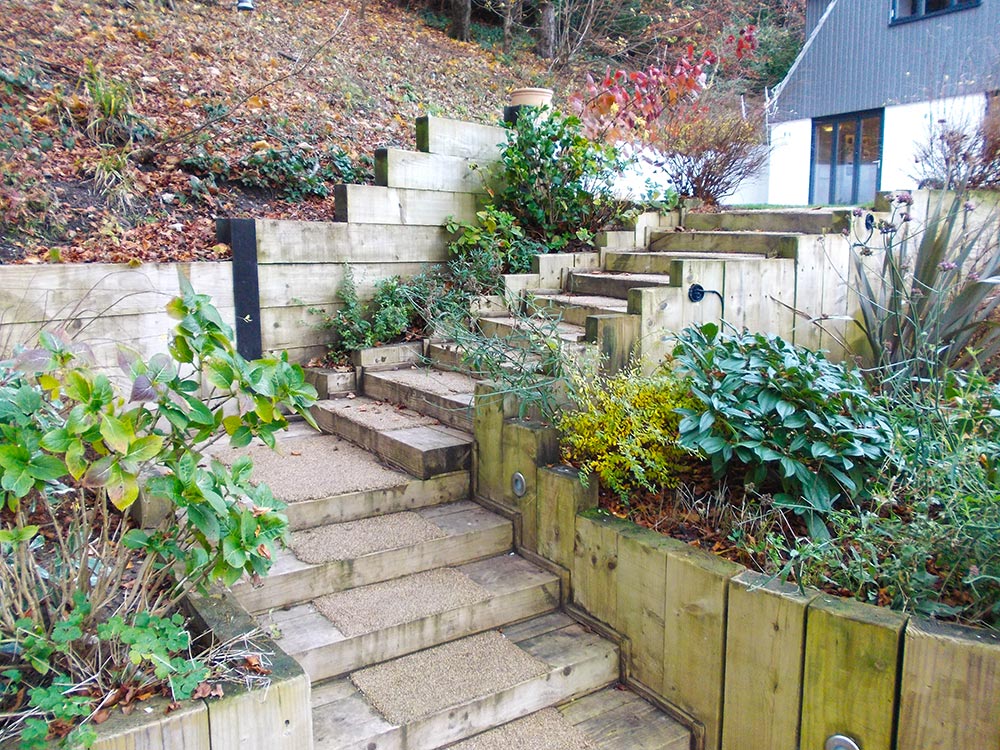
<point>696,293</point>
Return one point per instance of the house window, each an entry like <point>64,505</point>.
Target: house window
<point>846,158</point>
<point>912,10</point>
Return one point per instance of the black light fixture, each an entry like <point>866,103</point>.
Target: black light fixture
<point>696,293</point>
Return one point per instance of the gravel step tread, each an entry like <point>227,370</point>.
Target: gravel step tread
<point>370,624</point>
<point>466,532</point>
<point>610,719</point>
<point>440,692</point>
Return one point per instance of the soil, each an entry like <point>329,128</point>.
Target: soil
<point>289,74</point>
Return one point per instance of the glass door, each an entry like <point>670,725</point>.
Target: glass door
<point>846,158</point>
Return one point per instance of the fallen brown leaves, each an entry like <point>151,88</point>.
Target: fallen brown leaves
<point>186,67</point>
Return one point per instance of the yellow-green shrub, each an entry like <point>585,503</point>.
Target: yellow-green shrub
<point>625,430</point>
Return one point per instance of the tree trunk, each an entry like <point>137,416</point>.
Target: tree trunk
<point>461,20</point>
<point>508,23</point>
<point>546,47</point>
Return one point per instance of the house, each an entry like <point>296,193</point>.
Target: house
<point>873,81</point>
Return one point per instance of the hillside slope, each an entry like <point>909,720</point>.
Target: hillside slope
<point>120,122</point>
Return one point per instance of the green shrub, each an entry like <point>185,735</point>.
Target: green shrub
<point>555,182</point>
<point>298,171</point>
<point>386,318</point>
<point>625,430</point>
<point>797,422</point>
<point>495,245</point>
<point>89,600</point>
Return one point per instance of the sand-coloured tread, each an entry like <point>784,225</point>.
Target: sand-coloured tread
<point>346,541</point>
<point>300,468</point>
<point>575,663</point>
<point>468,533</point>
<point>391,619</point>
<point>615,285</point>
<point>767,244</point>
<point>382,605</point>
<point>445,395</point>
<point>505,327</point>
<point>544,730</point>
<point>462,670</point>
<point>610,719</point>
<point>576,308</point>
<point>418,444</point>
<point>669,264</point>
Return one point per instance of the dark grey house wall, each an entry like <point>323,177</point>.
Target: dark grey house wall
<point>858,61</point>
<point>814,10</point>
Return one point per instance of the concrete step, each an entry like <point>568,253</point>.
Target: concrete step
<point>576,308</point>
<point>768,244</point>
<point>445,694</point>
<point>610,719</point>
<point>667,264</point>
<point>606,284</point>
<point>512,328</point>
<point>341,556</point>
<point>444,395</point>
<point>418,444</point>
<point>805,221</point>
<point>341,632</point>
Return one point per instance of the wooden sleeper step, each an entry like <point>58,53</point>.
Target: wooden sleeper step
<point>513,588</point>
<point>616,285</point>
<point>465,532</point>
<point>444,395</point>
<point>768,244</point>
<point>418,444</point>
<point>610,719</point>
<point>574,662</point>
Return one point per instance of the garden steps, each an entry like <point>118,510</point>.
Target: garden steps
<point>667,264</point>
<point>768,244</point>
<point>510,590</point>
<point>507,327</point>
<point>437,697</point>
<point>609,719</point>
<point>406,543</point>
<point>297,471</point>
<point>416,443</point>
<point>616,285</point>
<point>805,221</point>
<point>576,308</point>
<point>444,395</point>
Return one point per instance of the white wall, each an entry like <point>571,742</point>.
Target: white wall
<point>752,191</point>
<point>788,172</point>
<point>908,126</point>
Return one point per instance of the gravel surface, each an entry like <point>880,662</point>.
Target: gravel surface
<point>544,730</point>
<point>424,683</point>
<point>315,466</point>
<point>350,540</point>
<point>382,605</point>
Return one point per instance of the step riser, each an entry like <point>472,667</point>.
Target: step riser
<point>450,411</point>
<point>420,493</point>
<point>640,263</point>
<point>401,448</point>
<point>573,314</point>
<point>607,287</point>
<point>771,246</point>
<point>294,587</point>
<point>491,327</point>
<point>806,223</point>
<point>399,640</point>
